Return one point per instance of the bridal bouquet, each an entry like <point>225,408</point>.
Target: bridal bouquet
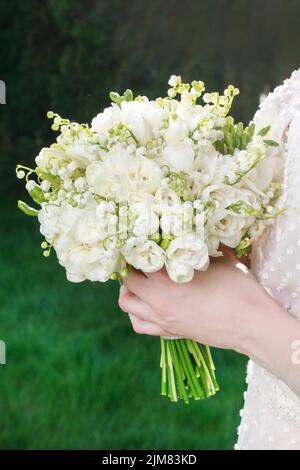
<point>151,185</point>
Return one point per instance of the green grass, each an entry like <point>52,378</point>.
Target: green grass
<point>77,377</point>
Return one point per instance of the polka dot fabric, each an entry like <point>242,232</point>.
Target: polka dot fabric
<point>271,414</point>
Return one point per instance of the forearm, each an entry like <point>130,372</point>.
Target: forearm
<point>272,339</point>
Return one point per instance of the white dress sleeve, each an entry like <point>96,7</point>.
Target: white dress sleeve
<point>271,415</point>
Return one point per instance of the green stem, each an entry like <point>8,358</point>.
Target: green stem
<point>194,349</point>
<point>190,367</point>
<point>163,368</point>
<point>172,377</point>
<point>189,380</point>
<point>178,371</point>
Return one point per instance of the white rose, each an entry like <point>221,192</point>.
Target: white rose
<point>261,176</point>
<point>206,161</point>
<point>221,195</point>
<point>184,255</point>
<point>49,219</point>
<point>145,255</point>
<point>119,174</point>
<point>95,224</point>
<point>102,262</point>
<point>141,130</point>
<point>56,220</point>
<point>105,120</point>
<point>228,226</point>
<point>166,196</point>
<point>83,261</point>
<point>82,152</point>
<point>142,117</point>
<point>179,157</point>
<point>48,156</point>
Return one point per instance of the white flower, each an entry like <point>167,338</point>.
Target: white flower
<point>179,157</point>
<point>176,132</point>
<point>45,185</point>
<point>261,176</point>
<point>105,120</point>
<point>166,196</point>
<point>82,261</point>
<point>199,222</point>
<point>80,183</point>
<point>95,224</point>
<point>184,255</point>
<point>174,80</point>
<point>177,219</point>
<point>207,162</point>
<point>77,234</point>
<point>55,220</point>
<point>221,195</point>
<point>20,174</point>
<point>145,255</point>
<point>48,157</point>
<point>72,167</point>
<point>228,226</point>
<point>142,117</point>
<point>30,185</point>
<point>213,244</point>
<point>119,174</point>
<point>143,219</point>
<point>82,152</point>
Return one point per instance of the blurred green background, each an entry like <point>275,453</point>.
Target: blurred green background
<point>76,376</point>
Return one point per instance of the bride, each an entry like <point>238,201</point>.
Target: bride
<point>254,312</point>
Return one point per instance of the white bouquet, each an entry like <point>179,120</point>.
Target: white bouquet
<point>155,185</point>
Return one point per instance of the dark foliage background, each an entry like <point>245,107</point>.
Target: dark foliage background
<point>76,376</point>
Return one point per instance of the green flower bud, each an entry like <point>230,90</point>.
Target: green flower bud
<point>114,276</point>
<point>128,95</point>
<point>124,272</point>
<point>156,237</point>
<point>164,244</point>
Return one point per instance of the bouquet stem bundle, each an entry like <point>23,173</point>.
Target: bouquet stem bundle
<point>188,370</point>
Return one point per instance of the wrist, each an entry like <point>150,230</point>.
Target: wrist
<point>261,315</point>
<point>270,339</point>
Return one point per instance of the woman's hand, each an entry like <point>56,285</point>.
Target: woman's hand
<point>224,307</point>
<point>214,308</point>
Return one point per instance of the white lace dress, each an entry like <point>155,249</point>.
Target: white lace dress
<point>271,415</point>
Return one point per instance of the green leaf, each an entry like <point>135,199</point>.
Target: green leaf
<point>271,143</point>
<point>251,131</point>
<point>264,131</point>
<point>26,209</point>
